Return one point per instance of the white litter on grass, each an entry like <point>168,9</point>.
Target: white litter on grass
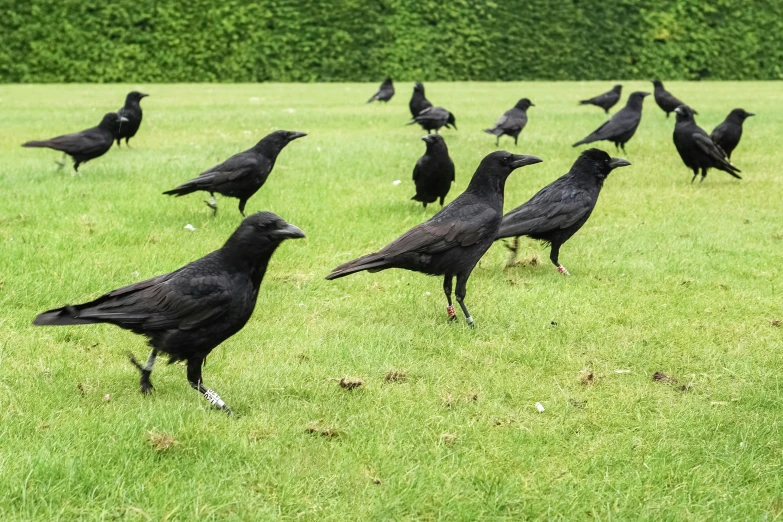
<point>290,110</point>
<point>540,407</point>
<point>190,227</point>
<point>622,371</point>
<point>396,182</point>
<point>255,99</point>
<point>427,293</point>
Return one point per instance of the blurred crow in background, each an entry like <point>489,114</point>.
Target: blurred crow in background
<point>665,99</point>
<point>512,122</point>
<point>433,118</point>
<point>418,102</point>
<point>696,148</point>
<point>727,135</point>
<point>606,100</point>
<point>241,175</point>
<point>385,92</point>
<point>434,172</point>
<point>132,111</point>
<point>622,126</point>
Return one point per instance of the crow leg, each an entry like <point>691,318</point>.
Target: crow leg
<point>212,203</point>
<point>441,200</point>
<point>425,204</point>
<point>146,370</point>
<point>194,378</point>
<point>462,282</point>
<point>703,175</point>
<point>447,290</point>
<point>515,139</point>
<point>554,254</point>
<point>622,146</point>
<point>514,247</point>
<point>119,140</point>
<point>61,163</point>
<point>695,173</point>
<point>76,166</point>
<point>242,203</point>
<point>127,144</point>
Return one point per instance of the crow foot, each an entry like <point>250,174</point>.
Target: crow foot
<point>562,270</point>
<point>216,401</point>
<point>452,314</point>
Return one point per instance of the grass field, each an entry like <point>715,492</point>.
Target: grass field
<point>666,276</point>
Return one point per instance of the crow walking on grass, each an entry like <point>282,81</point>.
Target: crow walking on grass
<point>606,100</point>
<point>453,240</point>
<point>433,118</point>
<point>512,122</point>
<point>418,101</point>
<point>189,312</point>
<point>727,135</point>
<point>665,99</point>
<point>560,209</point>
<point>132,111</point>
<point>696,148</point>
<point>385,92</point>
<point>241,175</point>
<point>434,172</point>
<point>87,144</point>
<point>622,126</point>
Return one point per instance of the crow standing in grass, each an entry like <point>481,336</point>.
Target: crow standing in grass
<point>727,135</point>
<point>433,118</point>
<point>453,240</point>
<point>696,148</point>
<point>512,122</point>
<point>560,209</point>
<point>434,172</point>
<point>665,99</point>
<point>606,100</point>
<point>385,92</point>
<point>87,144</point>
<point>418,101</point>
<point>132,111</point>
<point>622,126</point>
<point>241,175</point>
<point>189,312</point>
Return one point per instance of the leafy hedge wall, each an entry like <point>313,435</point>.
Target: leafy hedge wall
<point>354,40</point>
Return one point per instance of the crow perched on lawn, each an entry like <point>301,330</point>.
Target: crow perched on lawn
<point>512,122</point>
<point>241,175</point>
<point>622,126</point>
<point>385,92</point>
<point>418,101</point>
<point>696,148</point>
<point>727,135</point>
<point>606,100</point>
<point>132,111</point>
<point>560,209</point>
<point>434,172</point>
<point>189,312</point>
<point>433,118</point>
<point>87,144</point>
<point>665,99</point>
<point>453,240</point>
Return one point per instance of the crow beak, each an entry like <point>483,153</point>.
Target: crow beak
<point>521,160</point>
<point>296,135</point>
<point>619,162</point>
<point>288,232</point>
<point>532,104</point>
<point>428,138</point>
<point>123,119</point>
<point>143,95</point>
<point>645,94</point>
<point>454,125</point>
<point>678,110</point>
<point>750,114</point>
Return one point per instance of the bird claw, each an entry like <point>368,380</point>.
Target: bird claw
<point>452,314</point>
<point>562,270</point>
<point>216,401</point>
<point>470,321</point>
<point>212,203</point>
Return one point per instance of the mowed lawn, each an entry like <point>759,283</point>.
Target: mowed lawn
<point>666,277</point>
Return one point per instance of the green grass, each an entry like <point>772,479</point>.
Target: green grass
<point>666,276</point>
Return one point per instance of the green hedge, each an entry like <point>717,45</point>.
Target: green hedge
<point>352,40</point>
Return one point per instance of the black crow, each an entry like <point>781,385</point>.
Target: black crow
<point>241,175</point>
<point>560,209</point>
<point>433,118</point>
<point>665,99</point>
<point>87,144</point>
<point>512,122</point>
<point>418,101</point>
<point>132,111</point>
<point>189,312</point>
<point>606,100</point>
<point>453,240</point>
<point>727,135</point>
<point>385,92</point>
<point>621,127</point>
<point>434,172</point>
<point>696,148</point>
